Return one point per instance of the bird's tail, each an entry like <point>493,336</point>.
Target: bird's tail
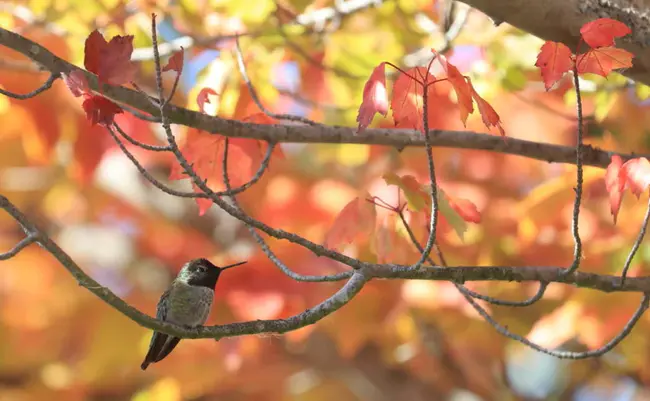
<point>161,345</point>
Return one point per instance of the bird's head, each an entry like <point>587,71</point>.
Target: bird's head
<point>202,273</point>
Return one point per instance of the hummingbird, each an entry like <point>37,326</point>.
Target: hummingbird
<point>186,302</point>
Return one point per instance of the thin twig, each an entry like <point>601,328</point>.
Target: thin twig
<point>577,249</point>
<point>637,243</point>
<point>264,165</point>
<point>515,304</point>
<point>566,354</point>
<point>149,177</point>
<point>46,85</point>
<point>433,219</point>
<point>153,148</point>
<point>141,116</point>
<point>22,244</point>
<point>504,331</point>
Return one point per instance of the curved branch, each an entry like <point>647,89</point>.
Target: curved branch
<point>643,305</point>
<point>575,217</point>
<point>22,244</point>
<point>335,302</point>
<point>309,316</point>
<point>637,243</point>
<point>153,148</point>
<point>399,138</point>
<point>46,85</point>
<point>501,302</point>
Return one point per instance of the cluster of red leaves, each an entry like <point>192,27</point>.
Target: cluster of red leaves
<point>555,59</point>
<point>408,94</point>
<point>111,62</point>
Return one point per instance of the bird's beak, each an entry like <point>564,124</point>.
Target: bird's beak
<point>233,265</point>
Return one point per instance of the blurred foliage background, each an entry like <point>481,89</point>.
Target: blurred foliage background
<point>396,340</point>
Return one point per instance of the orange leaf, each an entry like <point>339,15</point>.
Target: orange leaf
<point>175,62</point>
<point>603,60</point>
<point>615,184</point>
<point>554,60</point>
<point>461,86</point>
<point>415,195</point>
<point>407,103</point>
<point>356,219</point>
<point>375,98</point>
<point>204,152</point>
<point>261,118</point>
<point>602,32</point>
<point>202,98</point>
<point>488,114</point>
<point>637,175</point>
<point>466,209</point>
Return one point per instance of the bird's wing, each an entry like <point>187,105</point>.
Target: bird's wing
<point>161,344</point>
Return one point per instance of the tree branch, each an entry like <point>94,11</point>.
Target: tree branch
<point>336,301</point>
<point>399,138</point>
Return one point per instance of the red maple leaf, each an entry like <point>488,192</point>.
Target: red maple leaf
<point>175,62</point>
<point>603,60</point>
<point>418,199</point>
<point>99,110</point>
<point>488,114</point>
<point>407,103</point>
<point>554,60</point>
<point>357,219</point>
<point>76,82</point>
<point>261,118</point>
<point>110,61</point>
<point>637,175</point>
<point>202,98</point>
<point>375,98</point>
<point>465,209</point>
<point>603,31</point>
<point>615,184</point>
<point>633,174</point>
<point>462,87</point>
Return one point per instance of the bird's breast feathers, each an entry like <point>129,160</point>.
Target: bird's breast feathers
<point>189,305</point>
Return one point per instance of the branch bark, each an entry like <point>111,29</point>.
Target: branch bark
<point>398,138</point>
